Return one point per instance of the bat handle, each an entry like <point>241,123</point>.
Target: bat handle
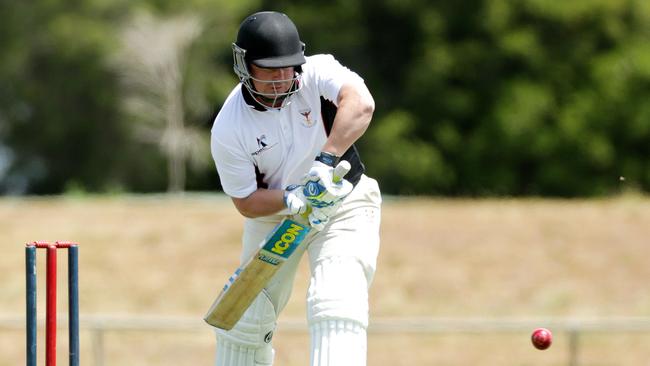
<point>341,170</point>
<point>306,214</point>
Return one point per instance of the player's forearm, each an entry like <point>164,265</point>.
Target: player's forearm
<point>353,116</point>
<point>263,202</point>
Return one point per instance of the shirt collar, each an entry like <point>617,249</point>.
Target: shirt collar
<point>250,100</point>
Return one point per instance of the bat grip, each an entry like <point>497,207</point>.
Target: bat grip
<point>305,215</point>
<point>340,171</point>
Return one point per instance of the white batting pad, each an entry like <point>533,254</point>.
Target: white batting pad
<point>231,354</point>
<point>249,342</point>
<point>338,290</point>
<point>338,343</point>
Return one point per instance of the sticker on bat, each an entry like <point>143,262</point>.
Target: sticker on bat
<point>285,240</point>
<point>232,278</point>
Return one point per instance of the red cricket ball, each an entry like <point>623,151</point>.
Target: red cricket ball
<point>541,338</point>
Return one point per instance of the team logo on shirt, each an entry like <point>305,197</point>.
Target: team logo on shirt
<point>263,145</point>
<point>307,121</point>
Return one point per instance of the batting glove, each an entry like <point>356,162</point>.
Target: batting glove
<point>323,187</point>
<point>295,200</point>
<point>320,217</point>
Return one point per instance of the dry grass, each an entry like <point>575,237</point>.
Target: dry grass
<point>439,258</point>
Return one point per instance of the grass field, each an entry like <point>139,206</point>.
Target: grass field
<point>440,258</point>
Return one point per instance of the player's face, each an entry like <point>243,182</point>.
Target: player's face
<point>272,81</point>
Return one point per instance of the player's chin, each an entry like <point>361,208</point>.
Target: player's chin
<point>272,102</point>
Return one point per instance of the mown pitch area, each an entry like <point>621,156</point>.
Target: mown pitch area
<point>169,256</point>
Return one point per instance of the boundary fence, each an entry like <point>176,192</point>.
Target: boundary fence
<point>98,325</point>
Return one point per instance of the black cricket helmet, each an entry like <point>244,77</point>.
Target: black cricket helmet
<point>268,39</point>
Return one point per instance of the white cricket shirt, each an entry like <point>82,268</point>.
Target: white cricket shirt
<point>273,148</point>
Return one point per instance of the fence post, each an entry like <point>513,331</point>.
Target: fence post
<point>98,346</point>
<point>573,346</point>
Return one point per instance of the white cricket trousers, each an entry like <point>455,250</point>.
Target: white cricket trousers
<point>342,261</point>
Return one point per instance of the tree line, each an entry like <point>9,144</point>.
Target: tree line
<point>474,98</point>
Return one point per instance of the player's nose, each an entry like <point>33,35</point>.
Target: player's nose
<point>283,73</point>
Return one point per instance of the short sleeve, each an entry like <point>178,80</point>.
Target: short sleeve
<point>330,75</point>
<point>236,170</point>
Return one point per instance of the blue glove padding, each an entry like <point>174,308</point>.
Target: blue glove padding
<point>321,190</point>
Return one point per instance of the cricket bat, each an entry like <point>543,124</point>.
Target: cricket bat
<point>251,278</point>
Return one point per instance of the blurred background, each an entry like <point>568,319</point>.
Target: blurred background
<point>511,140</point>
<point>503,97</point>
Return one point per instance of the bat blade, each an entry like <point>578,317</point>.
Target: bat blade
<point>249,279</point>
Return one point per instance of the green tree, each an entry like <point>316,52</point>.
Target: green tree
<point>57,98</point>
<point>480,97</point>
<point>60,121</point>
<point>152,64</point>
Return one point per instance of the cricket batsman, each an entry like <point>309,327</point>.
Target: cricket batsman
<point>289,122</point>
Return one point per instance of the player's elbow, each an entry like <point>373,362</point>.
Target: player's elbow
<point>365,104</point>
<point>367,107</point>
<point>247,214</point>
<point>365,110</point>
<point>367,101</point>
<point>358,98</point>
<point>244,207</point>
